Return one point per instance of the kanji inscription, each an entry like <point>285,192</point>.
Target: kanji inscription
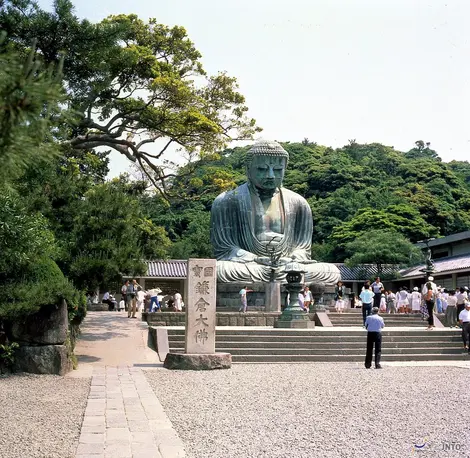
<point>200,309</point>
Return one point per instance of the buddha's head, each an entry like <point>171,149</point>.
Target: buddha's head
<point>266,164</point>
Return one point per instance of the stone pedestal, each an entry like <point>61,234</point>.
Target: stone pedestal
<point>198,362</point>
<point>273,297</point>
<point>293,316</point>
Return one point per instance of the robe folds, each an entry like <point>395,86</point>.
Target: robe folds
<point>235,216</point>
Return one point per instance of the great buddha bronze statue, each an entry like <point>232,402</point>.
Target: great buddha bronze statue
<point>259,227</point>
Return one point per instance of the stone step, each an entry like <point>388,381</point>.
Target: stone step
<point>342,357</point>
<point>280,333</point>
<point>326,345</point>
<point>346,358</point>
<point>331,351</point>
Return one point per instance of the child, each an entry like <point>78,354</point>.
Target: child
<point>451,312</point>
<point>122,304</point>
<point>357,302</point>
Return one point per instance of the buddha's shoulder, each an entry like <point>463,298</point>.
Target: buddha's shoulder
<point>231,196</point>
<point>293,196</point>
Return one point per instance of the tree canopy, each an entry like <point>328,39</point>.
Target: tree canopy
<point>135,86</point>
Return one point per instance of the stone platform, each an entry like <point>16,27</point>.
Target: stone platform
<point>223,318</point>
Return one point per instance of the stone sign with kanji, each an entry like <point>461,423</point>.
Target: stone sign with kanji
<point>200,309</point>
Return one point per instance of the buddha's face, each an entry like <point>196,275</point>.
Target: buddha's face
<point>267,172</point>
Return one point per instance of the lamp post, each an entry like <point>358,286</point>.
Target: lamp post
<point>430,268</point>
<point>293,315</point>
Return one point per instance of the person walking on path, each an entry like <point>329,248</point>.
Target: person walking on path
<point>132,298</point>
<point>464,319</point>
<point>366,297</point>
<point>377,290</point>
<point>374,326</point>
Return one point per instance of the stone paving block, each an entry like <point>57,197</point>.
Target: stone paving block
<point>136,416</point>
<point>98,381</point>
<point>142,437</point>
<point>90,449</point>
<point>94,455</point>
<point>171,451</point>
<point>116,422</point>
<point>116,434</point>
<point>93,420</point>
<point>159,424</point>
<point>94,411</point>
<point>118,450</point>
<point>114,404</point>
<point>145,451</point>
<point>89,438</point>
<point>95,402</point>
<point>138,426</point>
<point>95,429</point>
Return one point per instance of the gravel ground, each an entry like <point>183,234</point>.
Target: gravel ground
<point>41,415</point>
<point>329,410</point>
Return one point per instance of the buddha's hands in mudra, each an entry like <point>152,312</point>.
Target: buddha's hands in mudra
<point>266,261</point>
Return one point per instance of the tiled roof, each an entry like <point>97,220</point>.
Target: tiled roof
<point>173,268</point>
<point>447,239</point>
<point>441,266</point>
<point>364,272</point>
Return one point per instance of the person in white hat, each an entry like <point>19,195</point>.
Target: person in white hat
<point>415,300</point>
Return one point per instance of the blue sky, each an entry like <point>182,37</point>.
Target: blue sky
<point>388,71</point>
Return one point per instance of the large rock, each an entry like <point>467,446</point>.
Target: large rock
<point>198,362</point>
<point>45,359</point>
<point>46,327</point>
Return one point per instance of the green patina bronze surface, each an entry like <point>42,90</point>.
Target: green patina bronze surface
<point>257,228</point>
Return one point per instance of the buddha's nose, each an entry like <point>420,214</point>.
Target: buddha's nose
<point>271,173</point>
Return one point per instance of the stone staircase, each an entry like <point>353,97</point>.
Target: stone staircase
<point>353,318</point>
<point>329,345</point>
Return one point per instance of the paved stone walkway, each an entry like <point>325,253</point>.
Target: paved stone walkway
<point>123,417</point>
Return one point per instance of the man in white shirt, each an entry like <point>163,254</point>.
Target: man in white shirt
<point>464,319</point>
<point>377,290</point>
<point>374,325</point>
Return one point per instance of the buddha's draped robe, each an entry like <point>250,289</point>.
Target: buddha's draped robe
<point>236,219</point>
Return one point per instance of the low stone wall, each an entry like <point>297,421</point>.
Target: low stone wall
<point>42,337</point>
<point>100,307</point>
<point>223,318</point>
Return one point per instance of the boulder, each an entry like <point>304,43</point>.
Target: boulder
<point>197,362</point>
<point>46,327</point>
<point>45,359</point>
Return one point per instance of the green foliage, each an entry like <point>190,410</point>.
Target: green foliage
<point>111,235</point>
<point>131,82</point>
<point>24,236</point>
<point>39,284</point>
<point>29,96</point>
<point>382,247</point>
<point>7,355</point>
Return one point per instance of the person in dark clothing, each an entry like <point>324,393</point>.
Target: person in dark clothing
<point>429,298</point>
<point>374,325</point>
